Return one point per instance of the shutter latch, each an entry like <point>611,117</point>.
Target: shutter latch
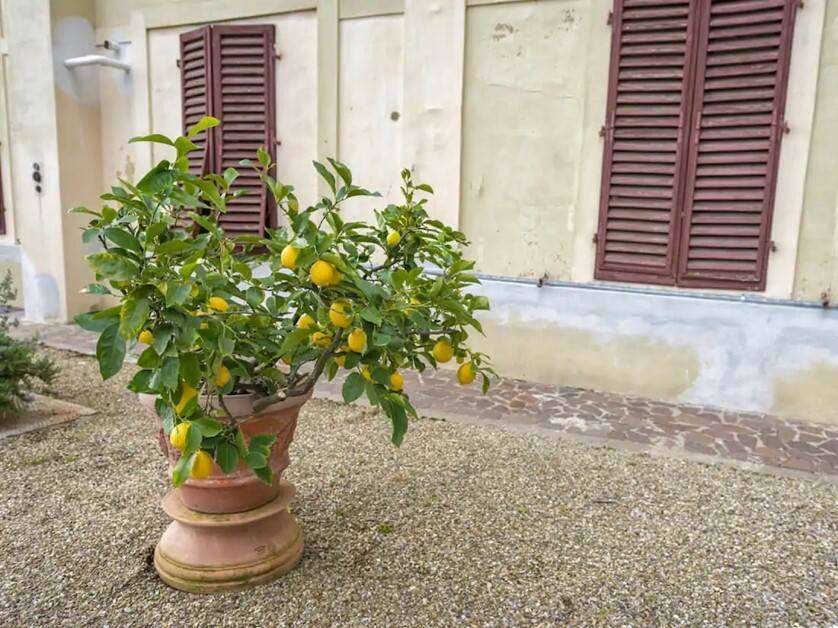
<point>595,239</point>
<point>602,131</point>
<point>784,127</point>
<point>610,19</point>
<point>773,246</point>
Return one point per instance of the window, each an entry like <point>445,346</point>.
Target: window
<point>695,117</point>
<point>227,71</point>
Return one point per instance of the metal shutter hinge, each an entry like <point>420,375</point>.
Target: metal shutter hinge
<point>602,131</point>
<point>784,127</point>
<point>595,239</point>
<point>278,141</point>
<point>178,63</point>
<point>801,4</point>
<point>773,246</point>
<point>610,19</point>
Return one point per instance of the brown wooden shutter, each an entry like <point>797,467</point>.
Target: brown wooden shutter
<point>2,204</point>
<point>645,139</point>
<point>196,101</point>
<point>744,48</point>
<point>243,99</point>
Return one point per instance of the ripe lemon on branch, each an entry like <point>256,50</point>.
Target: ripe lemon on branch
<point>357,340</point>
<point>322,273</point>
<point>288,257</point>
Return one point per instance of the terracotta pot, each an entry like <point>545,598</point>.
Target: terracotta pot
<point>241,490</point>
<point>232,531</point>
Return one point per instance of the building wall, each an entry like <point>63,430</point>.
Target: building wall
<point>498,105</point>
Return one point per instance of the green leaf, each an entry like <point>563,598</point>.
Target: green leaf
<point>190,369</point>
<point>342,170</point>
<point>123,238</point>
<point>141,381</point>
<point>110,351</point>
<point>132,316</point>
<point>157,179</point>
<point>90,322</point>
<point>327,176</point>
<point>148,359</point>
<point>265,474</point>
<point>174,246</point>
<point>166,377</point>
<point>207,122</point>
<point>227,456</point>
<point>177,293</point>
<point>182,469</point>
<point>194,436</point>
<point>208,427</point>
<point>112,266</point>
<point>156,138</point>
<point>262,443</point>
<point>254,297</point>
<point>353,387</point>
<point>371,314</point>
<point>256,459</point>
<point>97,288</point>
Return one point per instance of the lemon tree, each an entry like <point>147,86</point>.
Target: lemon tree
<point>217,315</point>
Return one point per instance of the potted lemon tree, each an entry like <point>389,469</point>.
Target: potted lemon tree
<point>236,331</point>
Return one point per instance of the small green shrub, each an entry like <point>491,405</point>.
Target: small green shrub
<point>20,365</point>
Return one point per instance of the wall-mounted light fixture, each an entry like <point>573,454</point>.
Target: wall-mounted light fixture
<point>75,62</point>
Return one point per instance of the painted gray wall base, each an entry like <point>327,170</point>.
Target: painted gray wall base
<point>762,357</point>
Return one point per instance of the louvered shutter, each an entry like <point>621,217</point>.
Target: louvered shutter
<point>196,101</point>
<point>744,48</point>
<point>645,139</point>
<point>243,99</point>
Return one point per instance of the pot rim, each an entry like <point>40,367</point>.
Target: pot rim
<point>250,399</point>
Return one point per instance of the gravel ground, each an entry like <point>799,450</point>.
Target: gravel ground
<point>463,524</point>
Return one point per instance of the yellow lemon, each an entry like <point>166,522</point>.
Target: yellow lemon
<point>146,337</point>
<point>396,381</point>
<point>322,273</point>
<point>393,238</point>
<point>365,373</point>
<point>178,436</point>
<point>321,339</point>
<point>288,257</point>
<point>186,395</point>
<point>201,466</point>
<point>218,304</point>
<point>466,373</point>
<point>338,278</point>
<point>442,351</point>
<point>222,376</point>
<point>338,316</point>
<point>357,340</point>
<point>306,321</point>
<point>341,360</point>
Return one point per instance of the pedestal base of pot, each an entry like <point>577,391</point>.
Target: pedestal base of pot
<point>204,553</point>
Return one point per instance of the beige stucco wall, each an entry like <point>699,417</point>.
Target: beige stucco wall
<point>817,256</point>
<point>78,125</point>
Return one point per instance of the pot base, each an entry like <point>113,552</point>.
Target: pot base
<point>205,553</point>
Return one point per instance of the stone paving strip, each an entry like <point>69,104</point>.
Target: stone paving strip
<point>757,442</point>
